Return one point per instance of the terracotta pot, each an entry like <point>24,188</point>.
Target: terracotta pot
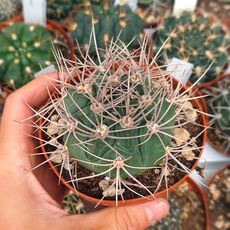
<point>163,193</point>
<point>208,85</point>
<point>194,187</point>
<point>52,26</point>
<point>220,171</point>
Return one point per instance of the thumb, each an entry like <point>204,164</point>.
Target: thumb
<point>135,217</point>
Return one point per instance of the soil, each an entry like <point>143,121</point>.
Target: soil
<point>219,201</point>
<point>187,211</point>
<point>217,7</point>
<point>218,141</point>
<point>149,178</point>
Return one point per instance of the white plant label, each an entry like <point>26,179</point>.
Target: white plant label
<point>49,69</point>
<point>34,11</point>
<point>181,70</point>
<point>131,3</point>
<point>182,5</point>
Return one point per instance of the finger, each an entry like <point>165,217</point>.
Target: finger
<point>14,134</point>
<point>34,94</point>
<point>136,217</point>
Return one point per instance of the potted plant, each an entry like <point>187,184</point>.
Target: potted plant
<point>25,49</point>
<point>196,38</point>
<point>218,106</point>
<point>8,8</point>
<point>188,209</point>
<point>221,8</point>
<point>120,130</point>
<point>109,22</point>
<point>218,199</point>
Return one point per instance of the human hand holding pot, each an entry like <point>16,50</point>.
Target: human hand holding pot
<point>29,199</point>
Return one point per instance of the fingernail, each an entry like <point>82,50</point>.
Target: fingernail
<point>156,210</point>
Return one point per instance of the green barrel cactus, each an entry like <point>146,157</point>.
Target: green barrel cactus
<point>119,119</point>
<point>108,22</point>
<point>24,50</point>
<point>196,39</point>
<point>8,8</point>
<point>119,135</point>
<point>59,9</point>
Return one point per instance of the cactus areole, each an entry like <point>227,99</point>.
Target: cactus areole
<point>120,113</point>
<point>24,50</point>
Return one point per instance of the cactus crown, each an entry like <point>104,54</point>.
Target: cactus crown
<point>118,118</point>
<point>58,9</point>
<point>196,39</point>
<point>8,8</point>
<point>24,50</point>
<point>108,21</point>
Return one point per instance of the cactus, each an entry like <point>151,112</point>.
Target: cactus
<point>119,119</point>
<point>24,50</point>
<point>59,9</point>
<point>196,39</point>
<point>8,8</point>
<point>219,106</point>
<point>108,22</point>
<point>72,204</point>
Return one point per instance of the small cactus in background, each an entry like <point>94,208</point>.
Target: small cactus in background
<point>8,8</point>
<point>119,119</point>
<point>72,204</point>
<point>24,50</point>
<point>152,11</point>
<point>58,9</point>
<point>196,39</point>
<point>108,22</point>
<point>219,105</point>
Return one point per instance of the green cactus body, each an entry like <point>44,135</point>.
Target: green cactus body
<point>219,104</point>
<point>194,39</point>
<point>59,9</point>
<point>8,8</point>
<point>108,21</point>
<point>126,141</point>
<point>24,50</point>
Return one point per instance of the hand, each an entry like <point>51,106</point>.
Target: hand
<point>29,201</point>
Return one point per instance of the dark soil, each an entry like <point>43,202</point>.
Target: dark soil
<point>219,201</point>
<point>187,211</point>
<point>149,178</point>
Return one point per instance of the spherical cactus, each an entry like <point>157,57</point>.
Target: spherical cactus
<point>219,106</point>
<point>119,119</point>
<point>24,50</point>
<point>196,39</point>
<point>8,8</point>
<point>58,9</point>
<point>108,22</point>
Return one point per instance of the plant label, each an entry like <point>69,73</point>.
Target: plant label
<point>182,5</point>
<point>179,69</point>
<point>34,11</point>
<point>49,69</point>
